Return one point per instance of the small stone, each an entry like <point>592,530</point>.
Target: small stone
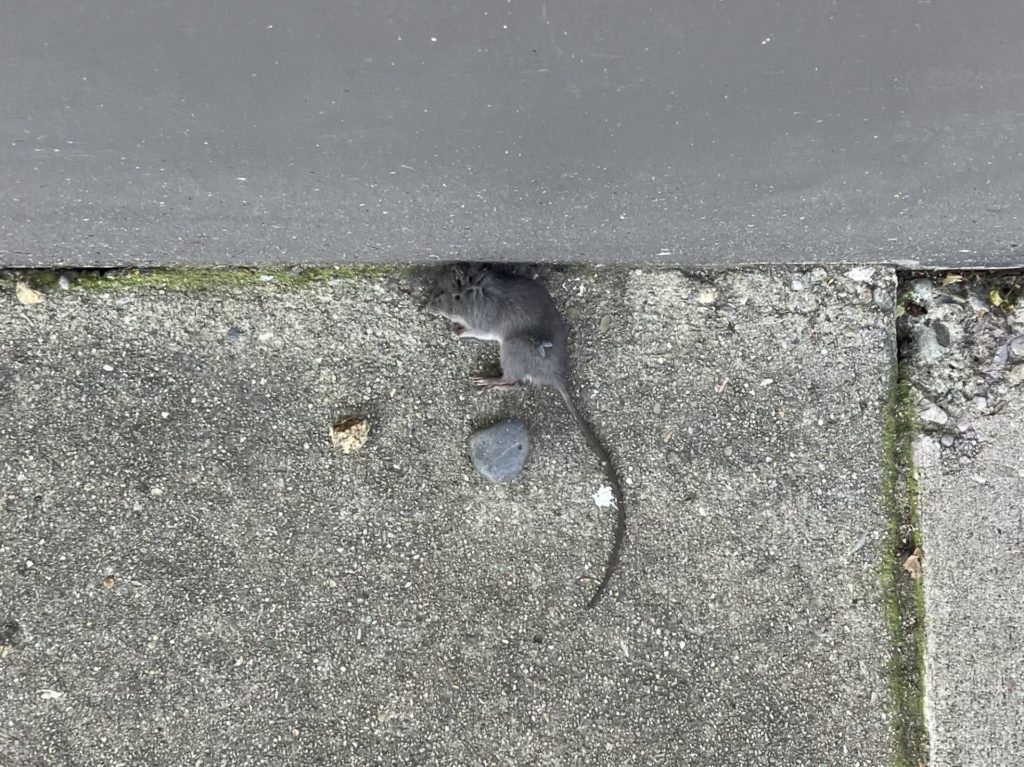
<point>923,290</point>
<point>947,440</point>
<point>499,451</point>
<point>606,322</point>
<point>64,282</point>
<point>657,408</point>
<point>861,274</point>
<point>672,457</point>
<point>234,334</point>
<point>28,295</point>
<point>1016,376</point>
<point>934,414</point>
<point>1000,357</point>
<point>928,348</point>
<point>350,434</point>
<point>912,564</point>
<point>1016,347</point>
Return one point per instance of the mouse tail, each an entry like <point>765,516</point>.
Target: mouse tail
<point>613,480</point>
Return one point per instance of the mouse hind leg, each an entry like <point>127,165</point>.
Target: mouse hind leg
<point>533,359</point>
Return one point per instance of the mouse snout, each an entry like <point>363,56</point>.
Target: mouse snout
<point>436,303</point>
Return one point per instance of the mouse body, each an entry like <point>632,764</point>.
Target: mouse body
<point>491,304</point>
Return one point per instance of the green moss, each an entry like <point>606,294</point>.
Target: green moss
<point>904,597</point>
<point>205,278</point>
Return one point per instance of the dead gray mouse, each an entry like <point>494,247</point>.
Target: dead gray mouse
<point>492,304</point>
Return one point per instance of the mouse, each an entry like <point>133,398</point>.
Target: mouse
<point>491,303</point>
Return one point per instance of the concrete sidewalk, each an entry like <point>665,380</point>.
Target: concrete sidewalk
<point>964,359</point>
<point>190,573</point>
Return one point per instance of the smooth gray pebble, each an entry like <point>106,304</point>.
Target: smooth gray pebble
<point>499,451</point>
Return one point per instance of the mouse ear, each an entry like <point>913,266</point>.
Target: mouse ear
<point>476,274</point>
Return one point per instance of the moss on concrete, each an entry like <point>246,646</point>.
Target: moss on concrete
<point>904,597</point>
<point>201,278</point>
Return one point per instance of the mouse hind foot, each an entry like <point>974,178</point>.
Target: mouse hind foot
<point>497,383</point>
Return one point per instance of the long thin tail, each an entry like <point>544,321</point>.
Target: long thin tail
<point>613,480</point>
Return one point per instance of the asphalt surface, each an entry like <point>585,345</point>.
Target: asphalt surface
<point>191,573</point>
<point>712,133</point>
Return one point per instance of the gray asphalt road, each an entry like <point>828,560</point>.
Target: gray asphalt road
<point>190,573</point>
<point>689,133</point>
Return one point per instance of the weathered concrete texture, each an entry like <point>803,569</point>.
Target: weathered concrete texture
<point>199,577</point>
<point>964,363</point>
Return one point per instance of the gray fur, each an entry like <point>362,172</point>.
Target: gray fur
<point>488,303</point>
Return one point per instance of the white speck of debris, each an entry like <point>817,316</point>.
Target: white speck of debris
<point>433,39</point>
<point>979,479</point>
<point>29,564</point>
<point>767,382</point>
<point>625,648</point>
<point>266,278</point>
<point>108,368</point>
<point>766,41</point>
<point>164,414</point>
<point>861,274</point>
<point>708,296</point>
<point>241,178</point>
<point>603,497</point>
<point>263,338</point>
<point>47,694</point>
